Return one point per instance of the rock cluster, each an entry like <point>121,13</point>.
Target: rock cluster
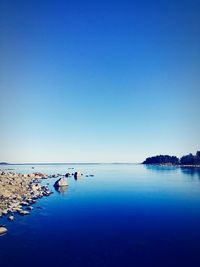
<point>19,191</point>
<point>76,175</point>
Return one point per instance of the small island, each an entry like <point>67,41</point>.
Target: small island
<point>189,160</point>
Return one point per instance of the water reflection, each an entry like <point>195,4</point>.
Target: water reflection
<point>191,171</point>
<point>76,178</point>
<point>61,189</point>
<point>161,168</point>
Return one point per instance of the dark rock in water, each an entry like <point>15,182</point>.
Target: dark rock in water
<point>55,175</point>
<point>24,203</point>
<point>61,182</point>
<point>29,208</point>
<point>67,174</point>
<point>77,174</point>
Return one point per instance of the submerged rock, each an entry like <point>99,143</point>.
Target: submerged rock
<point>40,208</point>
<point>61,182</point>
<point>29,208</point>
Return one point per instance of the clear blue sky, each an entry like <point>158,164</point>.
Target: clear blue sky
<point>98,81</point>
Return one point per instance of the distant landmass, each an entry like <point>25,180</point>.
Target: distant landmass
<point>4,163</point>
<point>189,159</point>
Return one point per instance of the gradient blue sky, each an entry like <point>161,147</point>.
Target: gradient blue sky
<point>98,81</point>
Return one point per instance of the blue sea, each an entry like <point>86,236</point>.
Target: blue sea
<point>126,215</point>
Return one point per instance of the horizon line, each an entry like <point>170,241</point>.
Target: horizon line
<point>67,163</point>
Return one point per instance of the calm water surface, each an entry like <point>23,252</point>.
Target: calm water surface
<point>126,215</point>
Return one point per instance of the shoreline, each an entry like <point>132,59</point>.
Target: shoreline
<point>171,165</point>
<point>19,191</point>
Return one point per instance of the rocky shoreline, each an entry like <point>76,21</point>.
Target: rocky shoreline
<point>18,192</point>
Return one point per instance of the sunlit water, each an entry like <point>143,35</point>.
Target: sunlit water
<point>126,215</point>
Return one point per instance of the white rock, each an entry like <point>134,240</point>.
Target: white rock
<point>3,230</point>
<point>61,182</point>
<point>11,218</point>
<point>24,212</point>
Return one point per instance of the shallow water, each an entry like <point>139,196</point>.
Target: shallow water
<point>126,215</point>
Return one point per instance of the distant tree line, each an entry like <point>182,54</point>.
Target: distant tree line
<point>189,159</point>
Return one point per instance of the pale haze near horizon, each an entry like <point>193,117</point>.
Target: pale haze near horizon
<point>98,81</point>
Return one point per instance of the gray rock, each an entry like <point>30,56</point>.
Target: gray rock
<point>3,230</point>
<point>61,182</point>
<point>17,190</point>
<point>23,212</point>
<point>4,212</point>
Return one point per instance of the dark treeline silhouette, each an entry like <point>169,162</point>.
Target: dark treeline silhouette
<point>191,159</point>
<point>173,160</point>
<point>162,159</point>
